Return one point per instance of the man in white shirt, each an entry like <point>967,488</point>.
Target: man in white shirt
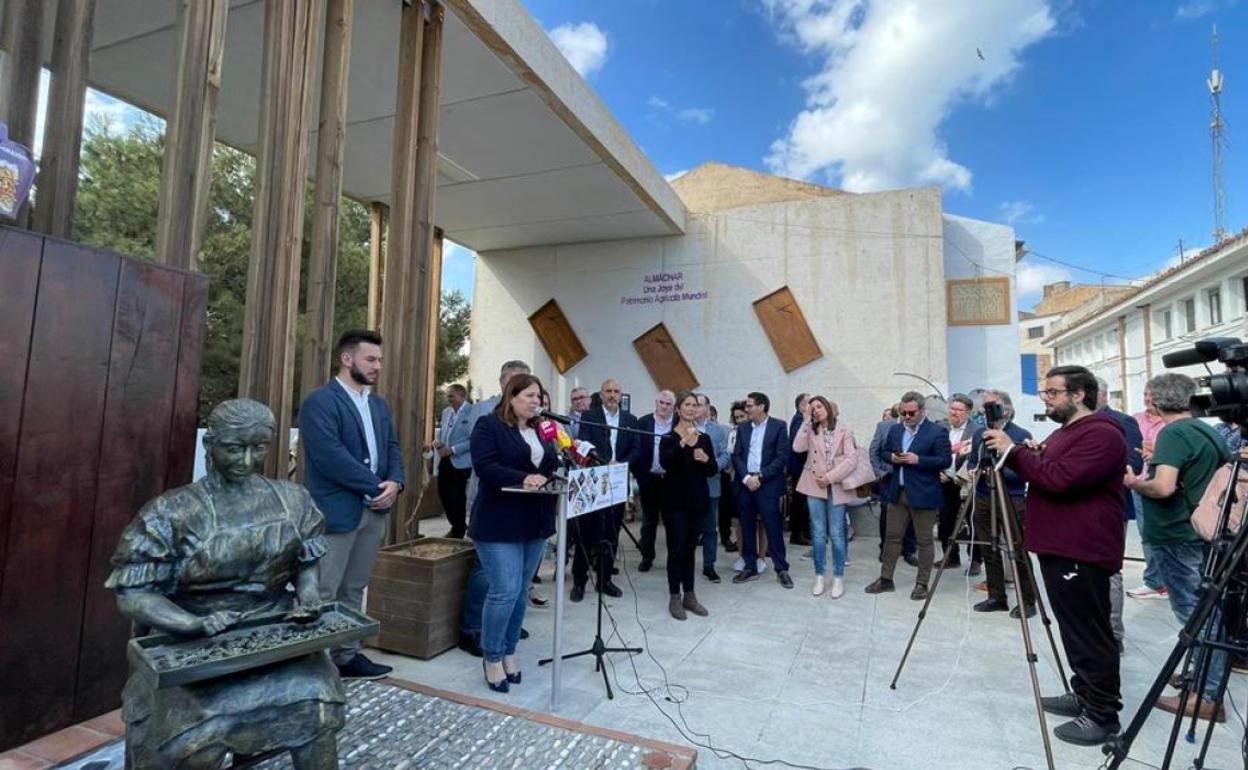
<point>961,434</point>
<point>454,463</point>
<point>649,473</point>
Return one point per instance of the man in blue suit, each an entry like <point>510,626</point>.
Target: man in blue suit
<point>589,532</point>
<point>759,459</point>
<point>354,473</point>
<point>918,450</point>
<point>454,460</point>
<point>719,442</point>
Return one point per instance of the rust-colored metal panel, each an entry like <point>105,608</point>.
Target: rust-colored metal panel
<point>20,253</point>
<point>143,372</point>
<point>787,330</point>
<point>45,563</point>
<point>182,447</point>
<point>558,337</point>
<point>663,359</point>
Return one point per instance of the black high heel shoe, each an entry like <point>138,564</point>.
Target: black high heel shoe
<point>500,686</point>
<point>514,678</point>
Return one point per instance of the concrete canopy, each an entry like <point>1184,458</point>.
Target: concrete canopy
<point>528,153</point>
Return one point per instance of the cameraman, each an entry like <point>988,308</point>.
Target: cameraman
<point>1187,454</point>
<point>1074,524</point>
<point>997,403</point>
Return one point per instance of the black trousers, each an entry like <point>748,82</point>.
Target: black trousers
<point>651,513</point>
<point>593,538</point>
<point>683,528</point>
<point>951,503</point>
<point>453,492</point>
<point>799,516</point>
<point>994,563</point>
<point>727,509</point>
<point>1079,596</point>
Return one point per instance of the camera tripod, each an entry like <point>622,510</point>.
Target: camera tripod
<point>1223,592</point>
<point>1000,510</point>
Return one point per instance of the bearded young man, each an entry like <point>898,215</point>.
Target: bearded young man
<point>1074,524</point>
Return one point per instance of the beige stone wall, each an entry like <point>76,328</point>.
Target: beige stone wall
<point>867,270</point>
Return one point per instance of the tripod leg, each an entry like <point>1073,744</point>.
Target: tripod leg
<point>957,527</point>
<point>999,502</point>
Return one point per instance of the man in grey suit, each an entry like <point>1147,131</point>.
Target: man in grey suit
<point>719,442</point>
<point>909,545</point>
<point>454,465</point>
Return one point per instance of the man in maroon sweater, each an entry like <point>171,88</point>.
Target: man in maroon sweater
<point>1074,524</point>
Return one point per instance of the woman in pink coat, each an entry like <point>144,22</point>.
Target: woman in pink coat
<point>830,457</point>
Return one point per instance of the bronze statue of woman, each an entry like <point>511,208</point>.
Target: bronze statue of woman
<point>195,561</point>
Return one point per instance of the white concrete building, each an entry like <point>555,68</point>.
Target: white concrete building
<point>1204,296</point>
<point>869,273</point>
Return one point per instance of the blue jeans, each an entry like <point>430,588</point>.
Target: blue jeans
<point>1152,575</point>
<point>710,535</point>
<point>827,521</point>
<point>1180,566</point>
<point>474,600</point>
<point>508,567</point>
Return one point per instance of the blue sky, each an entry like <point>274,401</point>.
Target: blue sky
<point>1084,124</point>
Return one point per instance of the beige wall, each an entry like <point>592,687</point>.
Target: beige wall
<point>867,270</point>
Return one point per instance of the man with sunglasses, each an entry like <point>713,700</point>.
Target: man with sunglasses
<point>918,450</point>
<point>1074,524</point>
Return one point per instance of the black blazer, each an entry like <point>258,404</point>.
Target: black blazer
<point>501,458</point>
<point>684,486</point>
<point>643,455</point>
<point>625,443</point>
<point>775,454</point>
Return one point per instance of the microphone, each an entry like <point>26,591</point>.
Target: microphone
<point>547,431</point>
<point>549,415</point>
<point>588,453</point>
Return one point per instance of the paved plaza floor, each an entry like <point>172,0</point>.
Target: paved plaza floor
<point>777,674</point>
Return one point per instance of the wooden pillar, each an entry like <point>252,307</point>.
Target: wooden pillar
<point>330,146</point>
<point>19,92</point>
<point>62,135</point>
<point>286,79</point>
<point>376,262</point>
<point>186,174</point>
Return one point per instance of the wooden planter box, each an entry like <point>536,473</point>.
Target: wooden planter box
<point>417,593</point>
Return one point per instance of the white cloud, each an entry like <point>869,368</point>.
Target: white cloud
<point>699,115</point>
<point>891,71</point>
<point>1032,278</point>
<point>672,177</point>
<point>584,45</point>
<point>658,103</point>
<point>1194,9</point>
<point>1020,213</point>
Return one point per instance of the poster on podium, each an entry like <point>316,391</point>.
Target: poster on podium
<point>592,489</point>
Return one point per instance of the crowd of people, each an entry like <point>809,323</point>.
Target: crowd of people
<point>732,486</point>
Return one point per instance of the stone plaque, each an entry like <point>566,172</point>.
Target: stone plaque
<point>978,301</point>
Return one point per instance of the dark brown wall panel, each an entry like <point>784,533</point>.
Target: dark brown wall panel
<point>19,278</point>
<point>45,567</point>
<point>181,463</point>
<point>134,453</point>
<point>787,330</point>
<point>557,336</point>
<point>664,361</point>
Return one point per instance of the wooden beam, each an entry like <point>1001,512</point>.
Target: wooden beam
<point>376,262</point>
<point>286,79</point>
<point>397,288</point>
<point>186,174</point>
<point>57,184</point>
<point>331,141</point>
<point>19,89</point>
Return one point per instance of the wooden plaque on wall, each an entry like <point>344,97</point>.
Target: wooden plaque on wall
<point>977,301</point>
<point>787,330</point>
<point>557,336</point>
<point>663,359</point>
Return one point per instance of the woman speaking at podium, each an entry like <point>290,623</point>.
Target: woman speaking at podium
<point>510,528</point>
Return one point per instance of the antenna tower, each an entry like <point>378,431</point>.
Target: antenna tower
<point>1215,134</point>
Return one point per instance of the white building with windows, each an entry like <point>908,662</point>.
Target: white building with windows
<point>1204,296</point>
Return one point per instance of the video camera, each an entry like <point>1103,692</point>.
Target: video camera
<point>1224,394</point>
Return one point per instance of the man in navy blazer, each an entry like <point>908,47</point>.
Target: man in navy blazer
<point>354,472</point>
<point>759,459</point>
<point>649,473</point>
<point>590,531</point>
<point>918,450</point>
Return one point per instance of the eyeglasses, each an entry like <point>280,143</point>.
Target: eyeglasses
<point>909,413</point>
<point>1053,392</point>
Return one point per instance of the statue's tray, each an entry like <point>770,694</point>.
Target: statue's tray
<point>169,660</point>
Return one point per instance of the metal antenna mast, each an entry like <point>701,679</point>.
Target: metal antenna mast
<point>1215,134</point>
